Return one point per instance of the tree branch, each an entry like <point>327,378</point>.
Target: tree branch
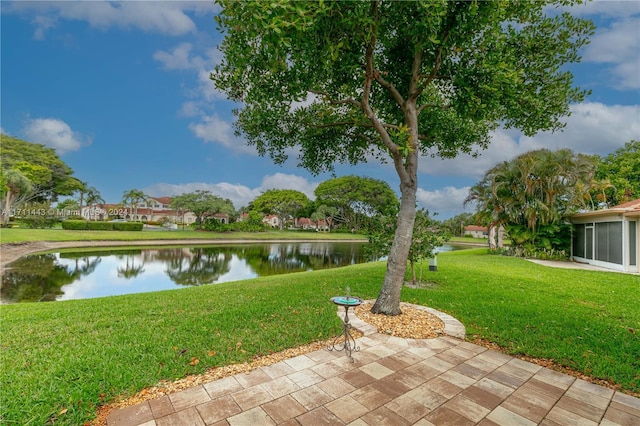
<point>348,101</point>
<point>414,90</point>
<point>421,107</point>
<point>372,74</point>
<point>389,87</point>
<point>352,123</point>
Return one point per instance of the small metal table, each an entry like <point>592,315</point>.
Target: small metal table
<point>345,341</point>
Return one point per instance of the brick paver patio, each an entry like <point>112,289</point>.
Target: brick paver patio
<point>393,381</point>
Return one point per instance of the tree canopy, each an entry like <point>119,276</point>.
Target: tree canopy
<point>346,82</point>
<point>284,203</point>
<point>203,204</point>
<point>622,170</point>
<point>40,164</point>
<point>31,172</point>
<point>356,196</point>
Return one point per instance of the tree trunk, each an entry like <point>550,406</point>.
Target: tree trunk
<point>413,273</point>
<point>80,207</point>
<point>6,214</point>
<point>388,301</point>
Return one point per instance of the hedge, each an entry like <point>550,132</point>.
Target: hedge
<point>82,225</point>
<point>74,224</point>
<point>100,226</point>
<point>127,226</point>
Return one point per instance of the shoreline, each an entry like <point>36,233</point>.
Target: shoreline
<point>10,252</point>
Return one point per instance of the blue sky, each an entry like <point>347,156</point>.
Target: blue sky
<point>121,91</point>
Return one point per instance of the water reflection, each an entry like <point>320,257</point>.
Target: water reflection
<point>65,276</point>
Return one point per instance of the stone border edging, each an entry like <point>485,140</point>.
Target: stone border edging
<point>452,327</point>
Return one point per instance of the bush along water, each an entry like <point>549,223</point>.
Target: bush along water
<point>82,225</point>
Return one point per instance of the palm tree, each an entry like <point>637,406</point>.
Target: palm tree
<point>82,190</point>
<point>94,197</point>
<point>17,184</point>
<point>133,197</point>
<point>534,190</point>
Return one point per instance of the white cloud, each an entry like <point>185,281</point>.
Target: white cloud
<point>191,109</point>
<point>447,202</point>
<point>54,133</point>
<point>216,130</point>
<point>618,45</point>
<point>179,58</point>
<point>165,17</point>
<point>183,58</point>
<point>592,128</point>
<point>288,181</point>
<point>240,195</point>
<point>43,23</point>
<point>608,8</point>
<point>502,147</point>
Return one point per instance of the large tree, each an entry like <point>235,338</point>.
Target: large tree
<point>355,197</point>
<point>203,204</point>
<point>31,172</point>
<point>324,214</point>
<point>622,171</point>
<point>346,82</point>
<point>284,203</point>
<point>14,184</point>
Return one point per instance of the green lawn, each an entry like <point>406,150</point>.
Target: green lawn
<point>484,241</point>
<point>78,354</point>
<point>18,235</point>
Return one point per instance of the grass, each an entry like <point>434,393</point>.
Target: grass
<point>468,240</point>
<point>19,235</point>
<point>69,357</point>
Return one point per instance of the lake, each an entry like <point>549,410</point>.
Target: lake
<point>88,274</point>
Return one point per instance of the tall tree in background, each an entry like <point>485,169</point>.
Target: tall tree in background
<point>47,175</point>
<point>284,203</point>
<point>133,198</point>
<point>325,214</point>
<point>533,195</point>
<point>93,196</point>
<point>456,224</point>
<point>346,82</point>
<point>14,185</point>
<point>622,170</point>
<point>203,204</point>
<point>356,197</point>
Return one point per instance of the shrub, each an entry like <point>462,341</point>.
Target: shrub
<point>39,222</point>
<point>247,226</point>
<point>76,225</point>
<point>215,225</point>
<point>100,226</point>
<point>127,226</point>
